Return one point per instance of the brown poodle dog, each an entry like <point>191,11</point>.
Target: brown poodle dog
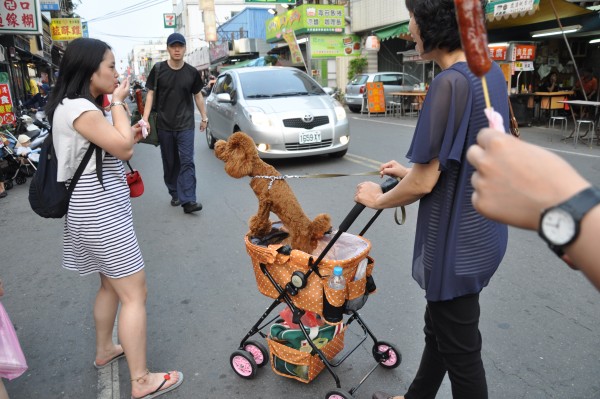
<point>274,195</point>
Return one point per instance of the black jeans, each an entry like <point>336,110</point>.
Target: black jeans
<point>453,345</point>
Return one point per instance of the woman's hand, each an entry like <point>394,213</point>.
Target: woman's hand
<point>394,169</point>
<point>367,194</point>
<point>137,132</point>
<point>121,91</point>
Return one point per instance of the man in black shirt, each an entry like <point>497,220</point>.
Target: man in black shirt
<point>179,86</point>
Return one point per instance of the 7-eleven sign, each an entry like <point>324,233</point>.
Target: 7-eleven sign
<point>169,20</point>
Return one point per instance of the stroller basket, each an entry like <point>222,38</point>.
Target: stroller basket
<point>316,294</point>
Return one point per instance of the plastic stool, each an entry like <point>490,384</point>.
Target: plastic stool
<point>563,122</point>
<point>414,107</point>
<point>579,122</point>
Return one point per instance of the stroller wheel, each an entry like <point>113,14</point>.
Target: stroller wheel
<point>338,394</point>
<point>20,180</point>
<point>243,364</point>
<point>258,351</point>
<point>385,354</point>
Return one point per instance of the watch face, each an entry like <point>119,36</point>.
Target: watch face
<point>558,226</point>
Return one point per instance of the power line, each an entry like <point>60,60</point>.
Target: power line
<point>128,10</point>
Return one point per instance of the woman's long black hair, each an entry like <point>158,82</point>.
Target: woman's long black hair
<point>81,59</point>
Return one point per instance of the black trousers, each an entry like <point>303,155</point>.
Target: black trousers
<point>452,345</point>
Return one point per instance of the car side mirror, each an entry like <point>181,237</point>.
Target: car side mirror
<point>224,98</point>
<point>328,90</point>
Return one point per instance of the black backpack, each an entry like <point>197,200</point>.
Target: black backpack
<point>48,197</point>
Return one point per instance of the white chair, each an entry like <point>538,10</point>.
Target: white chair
<point>587,122</point>
<point>563,122</point>
<point>414,109</point>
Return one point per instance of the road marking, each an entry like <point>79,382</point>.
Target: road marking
<point>368,162</point>
<point>108,377</point>
<point>572,152</point>
<point>383,122</point>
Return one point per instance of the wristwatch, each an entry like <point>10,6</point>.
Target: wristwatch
<point>559,225</point>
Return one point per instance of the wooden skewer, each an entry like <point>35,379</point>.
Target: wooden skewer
<point>486,95</point>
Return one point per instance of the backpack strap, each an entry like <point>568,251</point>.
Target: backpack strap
<point>81,168</point>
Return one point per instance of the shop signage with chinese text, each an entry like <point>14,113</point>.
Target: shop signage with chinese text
<point>66,29</point>
<point>498,53</point>
<point>50,5</point>
<point>331,46</point>
<point>307,18</point>
<point>7,116</point>
<point>523,52</point>
<point>20,17</point>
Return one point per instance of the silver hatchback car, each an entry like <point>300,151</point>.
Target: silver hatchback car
<point>392,82</point>
<point>285,111</point>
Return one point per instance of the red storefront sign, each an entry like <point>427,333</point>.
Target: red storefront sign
<point>523,52</point>
<point>7,117</point>
<point>498,53</point>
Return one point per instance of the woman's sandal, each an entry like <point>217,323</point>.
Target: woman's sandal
<point>158,390</point>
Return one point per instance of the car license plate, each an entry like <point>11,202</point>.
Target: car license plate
<point>310,137</point>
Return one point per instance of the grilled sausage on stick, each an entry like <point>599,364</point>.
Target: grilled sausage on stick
<point>473,36</point>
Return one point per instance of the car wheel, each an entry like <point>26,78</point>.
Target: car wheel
<point>338,154</point>
<point>210,140</point>
<point>356,110</point>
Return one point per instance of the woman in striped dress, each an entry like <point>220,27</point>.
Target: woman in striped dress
<point>98,233</point>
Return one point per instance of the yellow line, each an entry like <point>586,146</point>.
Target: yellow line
<point>369,163</point>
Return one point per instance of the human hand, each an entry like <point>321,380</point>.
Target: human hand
<point>203,125</point>
<point>394,169</point>
<point>121,91</point>
<point>367,193</point>
<point>515,181</point>
<point>137,132</point>
<point>1,288</point>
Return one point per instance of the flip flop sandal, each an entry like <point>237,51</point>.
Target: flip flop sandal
<point>114,359</point>
<point>158,391</point>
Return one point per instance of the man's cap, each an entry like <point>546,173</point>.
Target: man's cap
<point>45,87</point>
<point>175,38</point>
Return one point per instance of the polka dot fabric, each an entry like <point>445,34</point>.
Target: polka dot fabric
<point>309,298</point>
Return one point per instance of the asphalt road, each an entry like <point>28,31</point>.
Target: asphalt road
<point>540,320</point>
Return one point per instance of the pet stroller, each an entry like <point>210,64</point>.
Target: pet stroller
<point>294,278</point>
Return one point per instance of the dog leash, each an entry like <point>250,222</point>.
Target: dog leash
<point>272,180</point>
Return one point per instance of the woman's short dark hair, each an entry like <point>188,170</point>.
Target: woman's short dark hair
<point>81,59</point>
<point>437,23</point>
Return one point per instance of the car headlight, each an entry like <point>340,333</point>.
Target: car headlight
<point>340,112</point>
<point>257,116</point>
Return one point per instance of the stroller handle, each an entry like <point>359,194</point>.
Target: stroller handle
<point>386,186</point>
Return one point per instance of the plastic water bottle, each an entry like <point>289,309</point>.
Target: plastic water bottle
<point>337,280</point>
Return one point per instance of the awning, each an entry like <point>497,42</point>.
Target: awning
<point>394,31</point>
<point>542,12</point>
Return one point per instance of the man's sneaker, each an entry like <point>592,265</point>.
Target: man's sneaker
<point>175,202</point>
<point>192,207</point>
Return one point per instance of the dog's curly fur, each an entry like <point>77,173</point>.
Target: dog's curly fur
<point>241,159</point>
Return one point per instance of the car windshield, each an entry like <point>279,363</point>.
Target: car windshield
<point>359,80</point>
<point>278,83</point>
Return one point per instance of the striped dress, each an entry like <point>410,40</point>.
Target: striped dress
<point>98,233</point>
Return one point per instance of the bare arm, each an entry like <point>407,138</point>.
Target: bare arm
<point>417,182</point>
<point>148,105</point>
<point>117,139</point>
<point>202,108</point>
<point>515,181</point>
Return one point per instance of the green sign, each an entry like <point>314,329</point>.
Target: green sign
<point>331,46</point>
<point>272,1</point>
<point>307,18</point>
